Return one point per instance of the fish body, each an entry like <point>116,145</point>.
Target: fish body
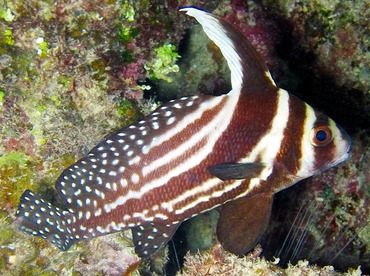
<point>191,155</point>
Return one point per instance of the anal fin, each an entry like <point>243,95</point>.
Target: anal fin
<point>243,221</point>
<point>148,238</point>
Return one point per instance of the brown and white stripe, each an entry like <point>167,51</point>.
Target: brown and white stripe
<point>154,174</point>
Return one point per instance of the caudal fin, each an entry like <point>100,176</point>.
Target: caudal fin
<point>38,217</point>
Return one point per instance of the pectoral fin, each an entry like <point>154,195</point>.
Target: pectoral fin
<point>243,221</point>
<point>236,171</point>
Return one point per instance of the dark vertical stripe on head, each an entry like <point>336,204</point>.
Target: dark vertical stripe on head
<point>290,151</point>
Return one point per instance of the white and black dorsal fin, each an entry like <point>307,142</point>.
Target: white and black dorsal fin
<point>248,71</point>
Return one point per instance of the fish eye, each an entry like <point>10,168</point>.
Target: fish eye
<point>321,136</point>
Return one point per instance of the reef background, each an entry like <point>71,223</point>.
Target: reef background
<point>73,72</point>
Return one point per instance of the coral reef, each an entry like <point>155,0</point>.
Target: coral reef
<point>219,262</point>
<point>109,255</point>
<point>72,72</point>
<point>336,32</point>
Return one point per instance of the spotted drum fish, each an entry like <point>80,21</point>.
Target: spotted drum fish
<point>191,155</point>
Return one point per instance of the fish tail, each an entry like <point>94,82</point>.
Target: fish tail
<point>40,218</point>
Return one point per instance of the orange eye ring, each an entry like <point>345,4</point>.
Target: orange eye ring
<point>321,136</point>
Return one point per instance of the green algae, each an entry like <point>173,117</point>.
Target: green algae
<point>15,167</point>
<point>43,47</point>
<point>163,63</point>
<point>327,193</point>
<point>364,234</point>
<point>128,11</point>
<point>6,14</point>
<point>7,235</point>
<point>19,172</point>
<point>6,39</point>
<point>65,81</point>
<point>9,38</point>
<point>16,175</point>
<point>127,34</point>
<point>98,66</point>
<point>2,95</point>
<point>128,110</point>
<point>14,157</point>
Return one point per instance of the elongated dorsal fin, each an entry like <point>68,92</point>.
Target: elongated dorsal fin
<point>248,71</point>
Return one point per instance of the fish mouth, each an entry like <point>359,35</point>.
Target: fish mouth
<point>347,144</point>
<point>343,158</point>
<point>345,137</point>
<point>348,153</point>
